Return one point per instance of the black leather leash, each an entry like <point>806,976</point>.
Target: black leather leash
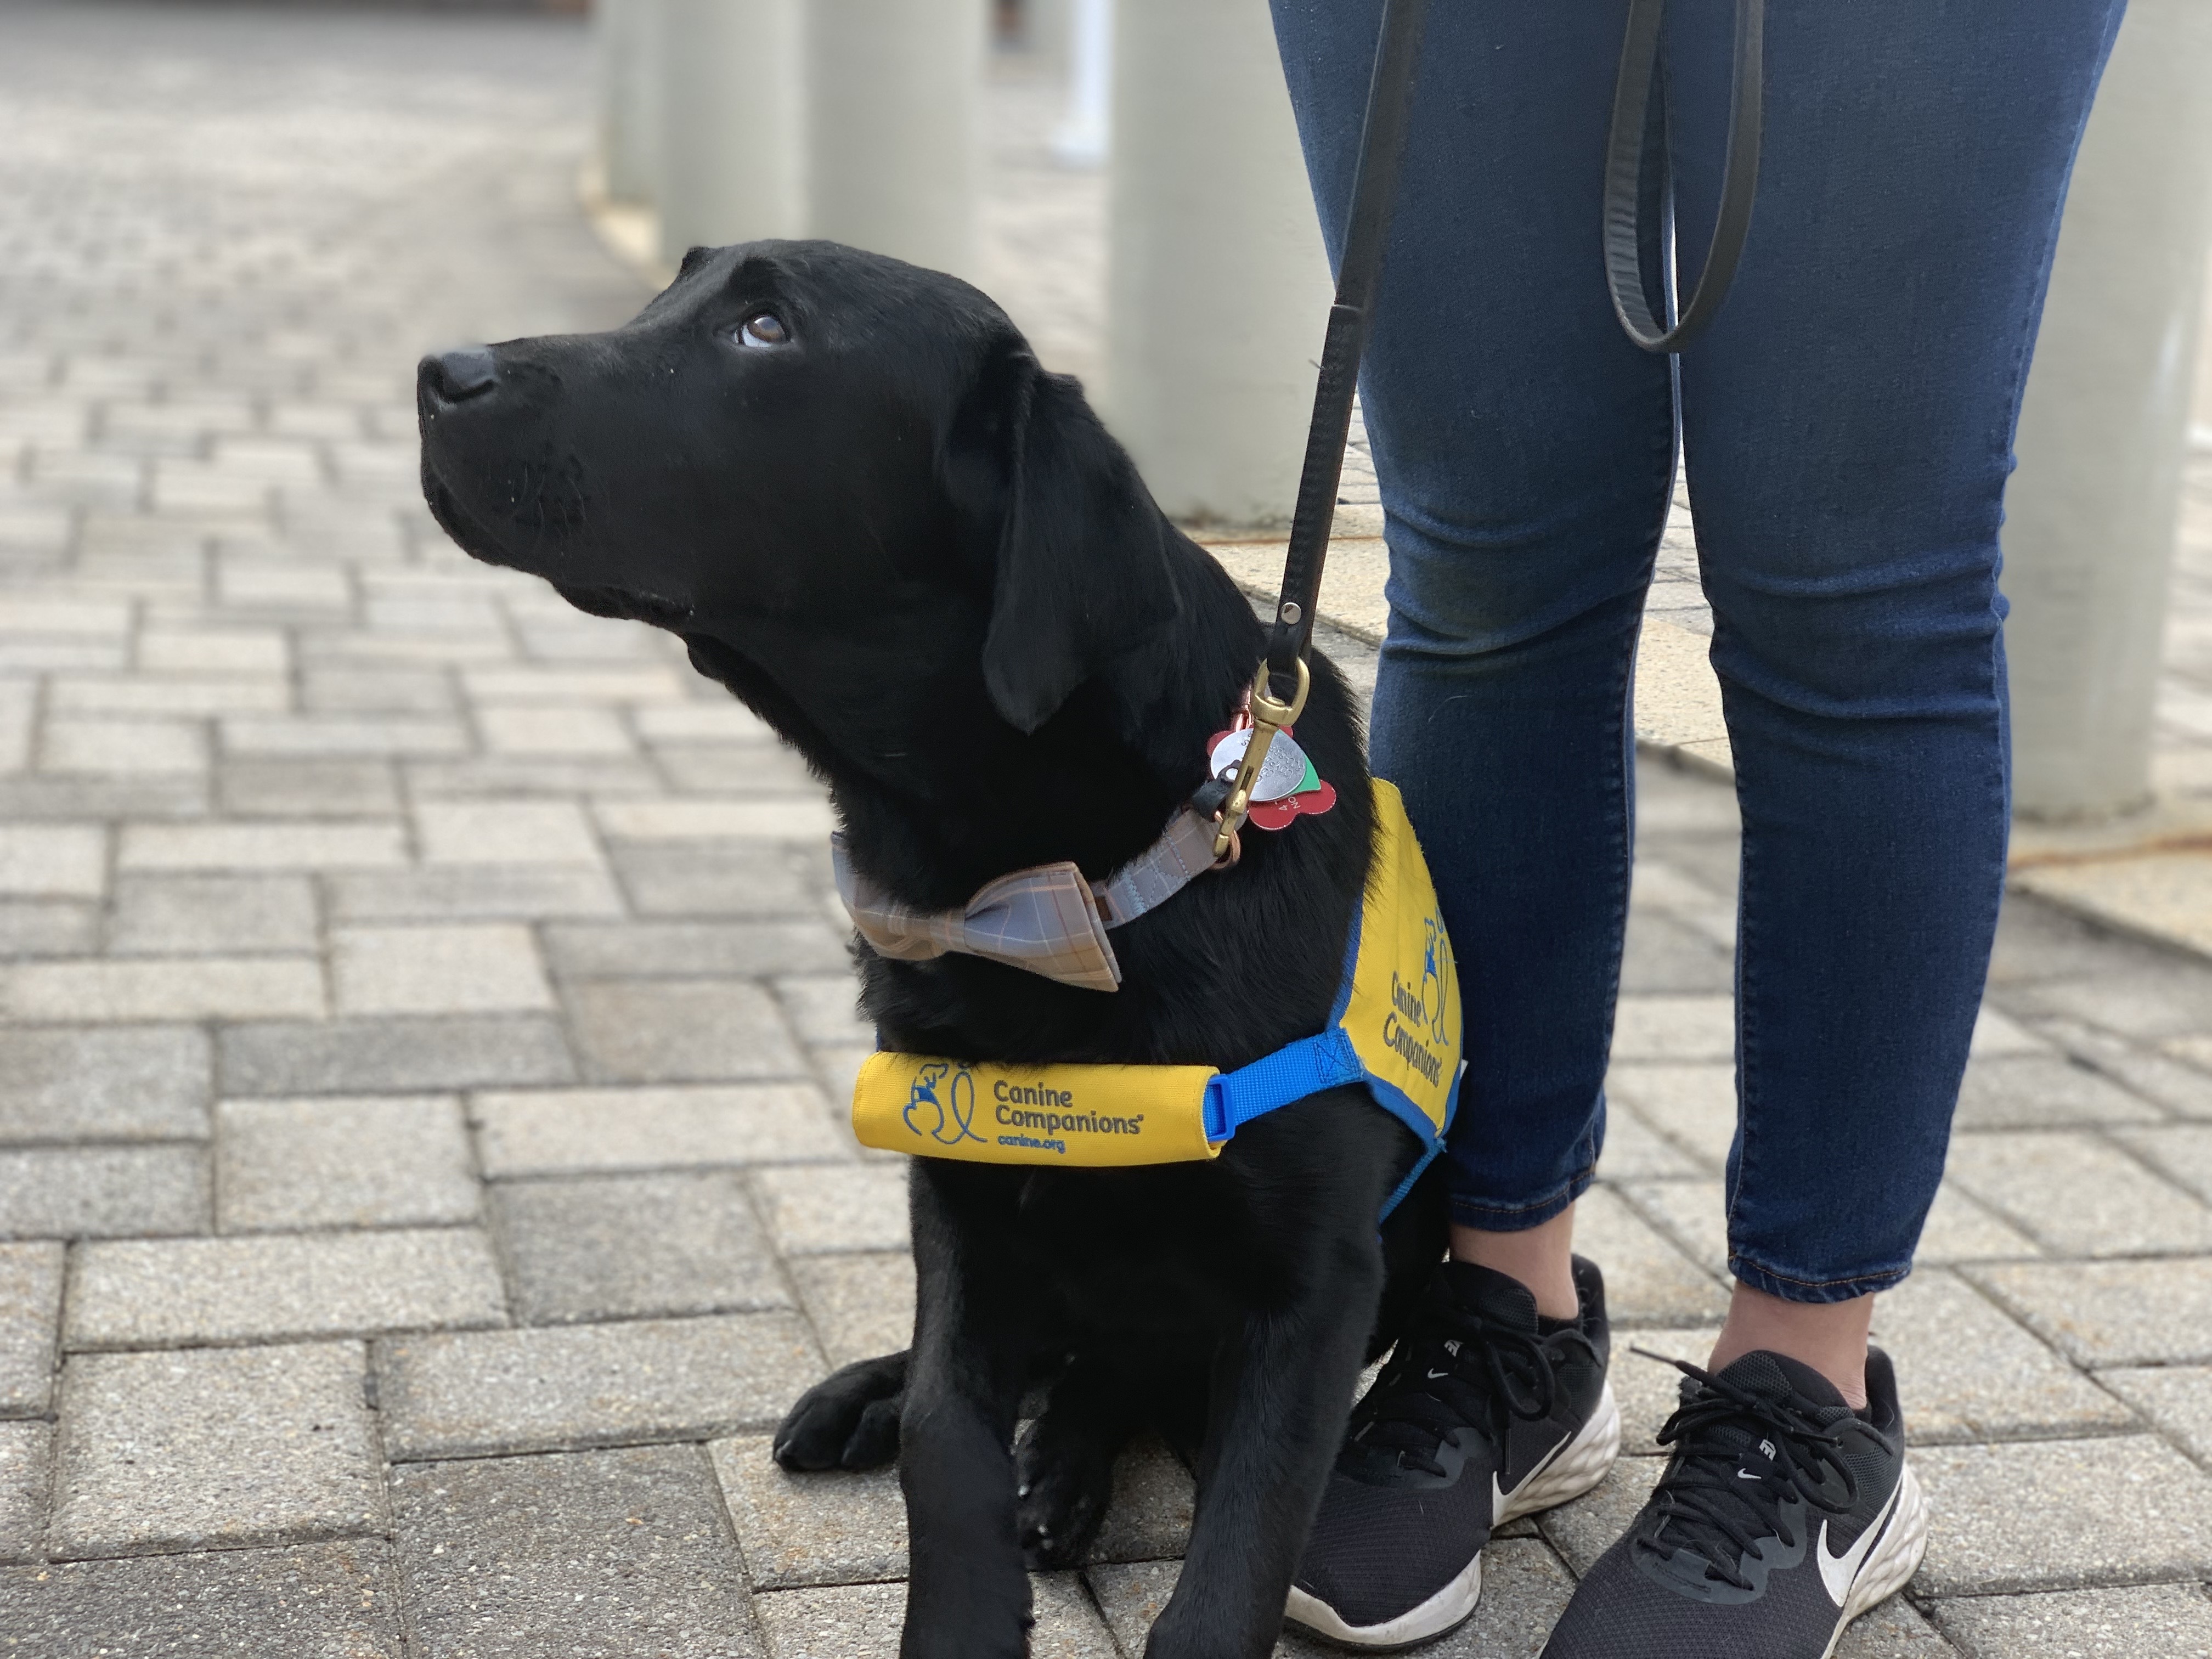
<point>1638,124</point>
<point>1628,239</point>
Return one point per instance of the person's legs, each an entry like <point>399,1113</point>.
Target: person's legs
<point>1848,426</point>
<point>1526,451</point>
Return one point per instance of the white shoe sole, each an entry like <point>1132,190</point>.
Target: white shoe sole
<point>1894,1559</point>
<point>1574,1468</point>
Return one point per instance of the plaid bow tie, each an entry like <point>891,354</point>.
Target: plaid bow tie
<point>1048,920</point>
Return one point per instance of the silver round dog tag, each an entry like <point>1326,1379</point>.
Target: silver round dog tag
<point>1280,774</point>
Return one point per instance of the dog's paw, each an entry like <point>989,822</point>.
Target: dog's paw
<point>848,1421</point>
<point>1064,1481</point>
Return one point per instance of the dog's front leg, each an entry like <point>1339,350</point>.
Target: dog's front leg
<point>1280,1393</point>
<point>968,1596</point>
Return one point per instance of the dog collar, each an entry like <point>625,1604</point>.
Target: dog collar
<point>1048,919</point>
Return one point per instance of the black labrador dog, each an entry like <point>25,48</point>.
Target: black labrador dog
<point>847,485</point>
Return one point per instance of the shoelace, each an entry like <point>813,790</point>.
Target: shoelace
<point>1724,1496</point>
<point>1465,1370</point>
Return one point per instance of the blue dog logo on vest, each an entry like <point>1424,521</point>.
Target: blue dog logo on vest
<point>1436,980</point>
<point>949,1096</point>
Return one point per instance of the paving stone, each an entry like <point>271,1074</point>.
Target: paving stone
<point>171,988</point>
<point>505,832</point>
<point>616,1554</point>
<point>1997,1035</point>
<point>824,1008</point>
<point>2172,1620</point>
<point>140,1295</point>
<point>723,721</point>
<point>566,1386</point>
<point>681,949</point>
<point>103,1192</point>
<point>716,768</point>
<point>794,819</point>
<point>294,788</point>
<point>2078,1194</point>
<point>260,847</point>
<point>2176,1399</point>
<point>26,1477</point>
<point>2125,1510</point>
<point>1523,1592</point>
<point>2112,1313</point>
<point>554,731</point>
<point>860,1305</point>
<point>1895,1630</point>
<point>1658,1028</point>
<point>2172,998</point>
<point>1586,1529</point>
<point>862,1621</point>
<point>1647,1280</point>
<point>537,688</point>
<point>486,968</point>
<point>499,777</point>
<point>578,1131</point>
<point>1693,1104</point>
<point>214,1448</point>
<point>331,1601</point>
<point>832,1527</point>
<point>2035,1091</point>
<point>351,690</point>
<point>610,1247</point>
<point>53,860</point>
<point>2183,1154</point>
<point>343,1161</point>
<point>136,1082</point>
<point>30,1310</point>
<point>172,696</point>
<point>456,893</point>
<point>211,650</point>
<point>822,1208</point>
<point>352,1055</point>
<point>721,878</point>
<point>678,1030</point>
<point>160,748</point>
<point>1648,1391</point>
<point>1966,1372</point>
<point>1662,953</point>
<point>187,915</point>
<point>48,927</point>
<point>1634,1151</point>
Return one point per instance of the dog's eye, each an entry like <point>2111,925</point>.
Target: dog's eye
<point>763,330</point>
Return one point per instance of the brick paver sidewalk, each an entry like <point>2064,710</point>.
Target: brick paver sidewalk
<point>425,1014</point>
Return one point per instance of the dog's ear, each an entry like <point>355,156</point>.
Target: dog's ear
<point>1081,568</point>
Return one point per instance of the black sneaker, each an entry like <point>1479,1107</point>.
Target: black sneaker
<point>1782,1516</point>
<point>1483,1414</point>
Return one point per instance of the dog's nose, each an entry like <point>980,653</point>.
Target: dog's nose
<point>458,375</point>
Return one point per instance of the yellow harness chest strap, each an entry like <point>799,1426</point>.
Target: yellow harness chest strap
<point>1395,1028</point>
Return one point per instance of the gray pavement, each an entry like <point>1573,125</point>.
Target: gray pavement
<point>423,1018</point>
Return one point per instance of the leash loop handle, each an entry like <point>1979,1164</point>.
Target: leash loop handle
<point>1627,236</point>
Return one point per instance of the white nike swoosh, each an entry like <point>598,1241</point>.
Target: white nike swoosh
<point>1837,1571</point>
<point>1437,1374</point>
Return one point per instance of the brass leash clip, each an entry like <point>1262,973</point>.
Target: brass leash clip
<point>1269,716</point>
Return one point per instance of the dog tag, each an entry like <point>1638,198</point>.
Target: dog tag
<point>1283,773</point>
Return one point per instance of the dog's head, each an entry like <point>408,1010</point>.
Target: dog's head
<point>803,457</point>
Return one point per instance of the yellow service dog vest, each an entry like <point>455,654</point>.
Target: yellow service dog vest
<point>1395,1028</point>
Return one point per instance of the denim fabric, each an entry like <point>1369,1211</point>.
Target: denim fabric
<point>1847,425</point>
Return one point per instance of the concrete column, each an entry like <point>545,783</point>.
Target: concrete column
<point>895,144</point>
<point>2093,513</point>
<point>731,107</point>
<point>1217,288</point>
<point>1085,135</point>
<point>630,119</point>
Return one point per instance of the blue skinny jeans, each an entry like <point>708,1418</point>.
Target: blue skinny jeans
<point>1847,428</point>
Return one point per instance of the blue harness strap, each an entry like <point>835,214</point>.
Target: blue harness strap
<point>1306,1067</point>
